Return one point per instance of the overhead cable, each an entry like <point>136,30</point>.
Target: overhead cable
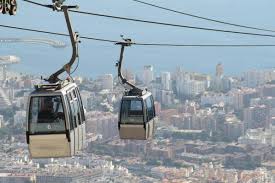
<point>160,23</point>
<point>138,43</point>
<point>171,24</point>
<point>35,3</point>
<point>203,18</point>
<point>53,33</point>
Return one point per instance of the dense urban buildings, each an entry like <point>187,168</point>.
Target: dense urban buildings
<point>211,129</point>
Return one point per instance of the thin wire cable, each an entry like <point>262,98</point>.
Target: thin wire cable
<point>171,25</point>
<point>98,39</point>
<point>137,43</point>
<point>160,23</point>
<point>203,18</point>
<point>35,3</point>
<point>202,45</point>
<point>54,33</point>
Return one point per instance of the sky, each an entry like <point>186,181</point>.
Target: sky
<point>99,58</point>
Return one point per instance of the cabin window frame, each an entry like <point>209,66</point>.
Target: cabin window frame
<point>70,113</point>
<point>33,132</point>
<point>129,102</point>
<point>150,110</point>
<point>81,106</point>
<point>73,108</point>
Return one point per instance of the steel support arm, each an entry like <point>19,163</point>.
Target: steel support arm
<point>127,42</point>
<point>74,42</point>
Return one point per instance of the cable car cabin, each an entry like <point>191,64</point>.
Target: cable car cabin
<point>55,121</point>
<point>137,118</point>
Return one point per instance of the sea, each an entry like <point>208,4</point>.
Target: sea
<point>98,58</point>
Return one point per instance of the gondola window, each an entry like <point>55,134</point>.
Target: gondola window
<point>132,112</point>
<point>46,115</point>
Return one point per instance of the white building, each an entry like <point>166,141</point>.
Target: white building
<point>4,100</point>
<point>190,84</point>
<point>1,121</point>
<point>210,98</point>
<point>107,82</point>
<point>167,97</point>
<point>234,128</point>
<point>221,84</point>
<point>85,96</point>
<point>22,102</point>
<point>256,136</point>
<point>191,87</point>
<point>20,118</point>
<point>19,102</point>
<point>148,74</point>
<point>255,78</point>
<point>219,70</point>
<point>242,97</point>
<point>165,80</point>
<point>273,132</point>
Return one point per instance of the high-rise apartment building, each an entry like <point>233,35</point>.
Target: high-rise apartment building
<point>219,70</point>
<point>107,82</point>
<point>165,80</point>
<point>148,74</point>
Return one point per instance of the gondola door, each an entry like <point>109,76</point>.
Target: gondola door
<point>75,120</point>
<point>82,118</point>
<point>72,125</point>
<point>79,120</point>
<point>150,116</point>
<point>47,127</point>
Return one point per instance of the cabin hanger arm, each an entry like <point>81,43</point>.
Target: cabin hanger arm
<point>134,89</point>
<point>74,37</point>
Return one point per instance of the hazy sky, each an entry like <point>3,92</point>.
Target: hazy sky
<point>98,58</point>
